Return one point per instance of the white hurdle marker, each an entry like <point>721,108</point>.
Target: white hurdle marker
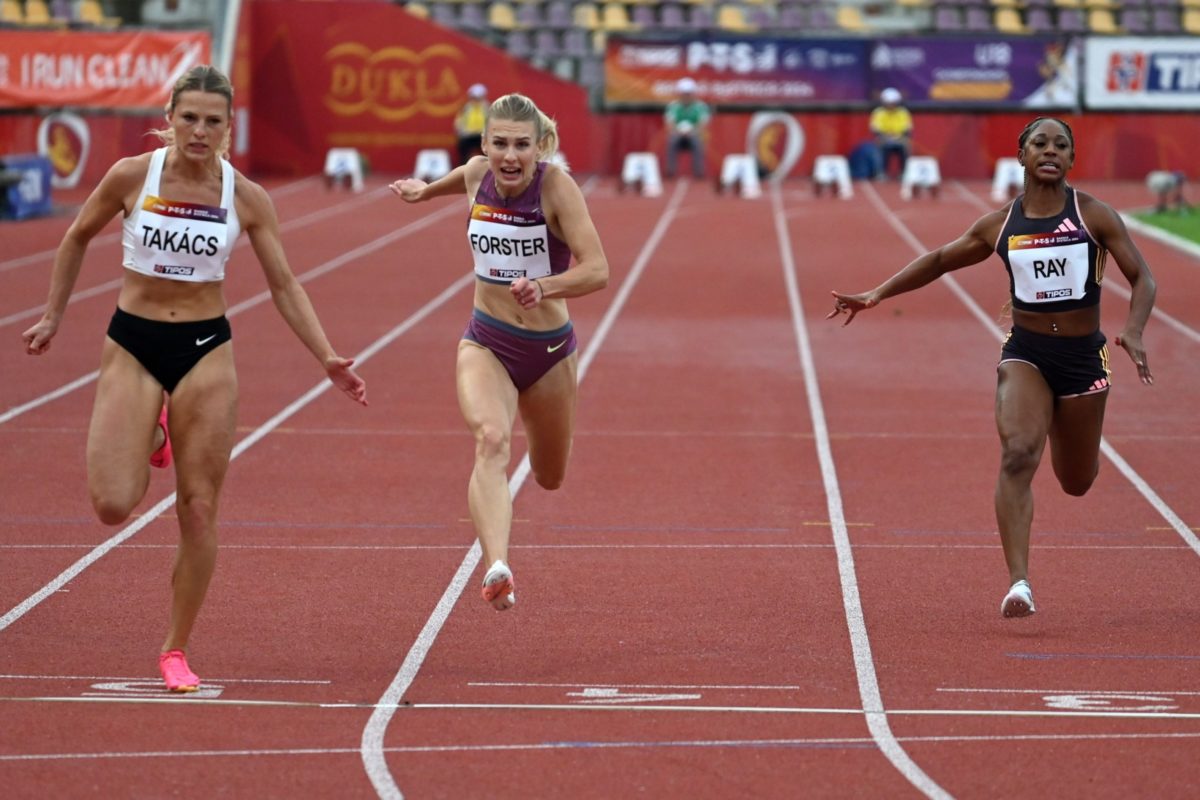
<point>431,165</point>
<point>920,172</point>
<point>1009,179</point>
<point>833,171</point>
<point>740,169</point>
<point>344,163</point>
<point>641,170</point>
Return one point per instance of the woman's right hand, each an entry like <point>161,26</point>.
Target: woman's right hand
<point>37,339</point>
<point>409,189</point>
<point>851,304</point>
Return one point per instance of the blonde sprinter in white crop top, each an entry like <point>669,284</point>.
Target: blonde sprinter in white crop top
<point>157,303</point>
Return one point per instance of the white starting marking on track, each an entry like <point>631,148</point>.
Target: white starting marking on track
<point>1116,702</point>
<point>608,694</point>
<point>592,745</point>
<point>1099,700</point>
<point>135,689</point>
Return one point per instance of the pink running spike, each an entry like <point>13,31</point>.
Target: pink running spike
<point>161,457</point>
<point>176,673</point>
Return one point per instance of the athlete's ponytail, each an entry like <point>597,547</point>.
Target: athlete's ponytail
<point>519,108</point>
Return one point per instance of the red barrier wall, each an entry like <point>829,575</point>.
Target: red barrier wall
<point>371,76</point>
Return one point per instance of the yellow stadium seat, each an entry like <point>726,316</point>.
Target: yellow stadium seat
<point>733,18</point>
<point>1006,3</point>
<point>914,3</point>
<point>616,18</point>
<point>1109,4</point>
<point>1101,20</point>
<point>1191,3</point>
<point>1008,20</point>
<point>417,10</point>
<point>38,13</point>
<point>1191,20</point>
<point>502,17</point>
<point>849,18</point>
<point>92,13</point>
<point>11,12</point>
<point>586,16</point>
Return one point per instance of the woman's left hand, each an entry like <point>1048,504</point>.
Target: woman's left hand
<point>527,293</point>
<point>1132,342</point>
<point>339,372</point>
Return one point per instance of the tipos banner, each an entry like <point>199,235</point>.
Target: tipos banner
<point>119,70</point>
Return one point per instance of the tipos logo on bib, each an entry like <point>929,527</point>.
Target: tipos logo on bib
<point>508,245</point>
<point>1048,267</point>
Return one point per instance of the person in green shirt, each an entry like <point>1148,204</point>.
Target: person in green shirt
<point>687,118</point>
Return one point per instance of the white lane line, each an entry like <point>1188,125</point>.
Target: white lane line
<point>643,546</point>
<point>372,737</point>
<point>31,602</point>
<point>1098,692</point>
<point>250,302</point>
<point>185,700</point>
<point>1159,505</point>
<point>860,643</point>
<point>597,745</point>
<point>717,686</point>
<point>1179,327</point>
<point>143,677</point>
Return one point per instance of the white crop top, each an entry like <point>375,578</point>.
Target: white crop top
<point>180,241</point>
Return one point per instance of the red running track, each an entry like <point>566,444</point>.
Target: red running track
<point>773,570</point>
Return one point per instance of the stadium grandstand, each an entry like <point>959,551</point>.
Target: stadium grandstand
<point>569,37</point>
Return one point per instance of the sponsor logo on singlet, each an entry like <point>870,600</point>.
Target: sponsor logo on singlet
<point>187,229</point>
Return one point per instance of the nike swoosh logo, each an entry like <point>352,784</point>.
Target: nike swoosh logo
<point>550,349</point>
<point>206,340</point>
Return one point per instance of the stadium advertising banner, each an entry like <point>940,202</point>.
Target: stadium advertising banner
<point>119,70</point>
<point>736,71</point>
<point>1143,73</point>
<point>991,73</point>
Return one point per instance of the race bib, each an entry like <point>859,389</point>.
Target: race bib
<point>508,245</point>
<point>1049,267</point>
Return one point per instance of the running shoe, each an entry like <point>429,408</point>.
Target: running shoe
<point>498,587</point>
<point>161,457</point>
<point>1019,600</point>
<point>176,673</point>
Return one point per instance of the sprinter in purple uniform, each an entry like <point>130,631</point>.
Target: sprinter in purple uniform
<point>528,218</point>
<point>1053,375</point>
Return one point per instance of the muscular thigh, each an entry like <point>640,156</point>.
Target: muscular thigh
<point>548,413</point>
<point>121,433</point>
<point>1075,432</point>
<point>486,395</point>
<point>203,419</point>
